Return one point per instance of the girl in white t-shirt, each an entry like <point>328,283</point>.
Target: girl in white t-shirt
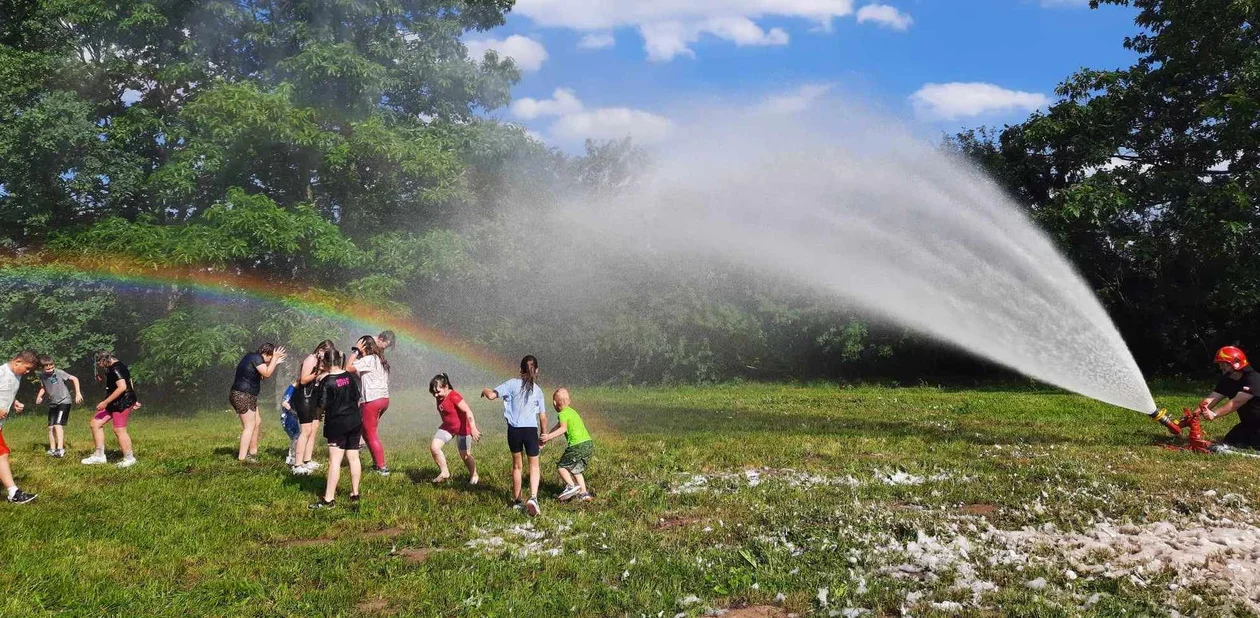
<point>368,361</point>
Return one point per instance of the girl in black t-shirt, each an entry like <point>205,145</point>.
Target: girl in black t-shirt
<point>338,396</point>
<point>250,372</point>
<point>120,400</point>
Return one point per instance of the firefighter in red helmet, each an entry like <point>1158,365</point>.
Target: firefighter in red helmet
<point>1240,384</point>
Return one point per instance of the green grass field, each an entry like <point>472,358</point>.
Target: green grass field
<point>760,499</point>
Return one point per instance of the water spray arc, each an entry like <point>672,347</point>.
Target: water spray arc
<point>878,220</point>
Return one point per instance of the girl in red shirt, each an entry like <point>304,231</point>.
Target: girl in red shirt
<point>458,423</point>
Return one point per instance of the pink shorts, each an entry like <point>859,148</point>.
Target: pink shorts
<point>119,418</point>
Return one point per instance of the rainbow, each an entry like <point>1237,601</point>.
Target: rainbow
<point>218,284</point>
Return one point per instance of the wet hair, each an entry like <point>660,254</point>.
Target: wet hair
<point>529,368</point>
<point>267,349</point>
<point>26,356</point>
<point>368,346</point>
<point>440,380</point>
<point>45,359</point>
<point>387,335</point>
<point>328,359</point>
<point>100,356</point>
<point>324,346</point>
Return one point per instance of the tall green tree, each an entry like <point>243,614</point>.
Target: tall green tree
<point>160,107</point>
<point>1149,178</point>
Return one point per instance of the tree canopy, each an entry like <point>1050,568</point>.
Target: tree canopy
<point>1149,178</point>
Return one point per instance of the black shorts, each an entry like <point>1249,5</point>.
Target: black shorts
<point>302,407</point>
<point>348,441</point>
<point>523,439</point>
<point>58,414</point>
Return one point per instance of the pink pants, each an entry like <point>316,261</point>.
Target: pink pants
<point>372,412</point>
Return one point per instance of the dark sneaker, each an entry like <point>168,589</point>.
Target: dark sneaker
<point>354,498</point>
<point>322,504</point>
<point>516,505</point>
<point>61,453</point>
<point>569,492</point>
<point>21,497</point>
<point>585,497</point>
<point>531,507</point>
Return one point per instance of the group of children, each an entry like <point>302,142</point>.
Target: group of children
<point>348,393</point>
<point>116,407</point>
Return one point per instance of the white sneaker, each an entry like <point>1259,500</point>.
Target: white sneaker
<point>569,492</point>
<point>52,452</point>
<point>127,462</point>
<point>313,465</point>
<point>531,507</point>
<point>301,470</point>
<point>288,461</point>
<point>93,459</point>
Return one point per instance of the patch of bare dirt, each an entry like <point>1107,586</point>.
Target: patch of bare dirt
<point>373,606</point>
<point>982,509</point>
<point>416,555</point>
<point>755,611</point>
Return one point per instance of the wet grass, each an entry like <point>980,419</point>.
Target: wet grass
<point>715,497</point>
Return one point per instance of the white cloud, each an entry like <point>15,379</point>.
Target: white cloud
<point>612,123</point>
<point>597,40</point>
<point>795,101</point>
<point>670,26</point>
<point>668,39</point>
<point>884,15</point>
<point>561,103</point>
<point>964,99</point>
<point>574,122</point>
<point>526,52</point>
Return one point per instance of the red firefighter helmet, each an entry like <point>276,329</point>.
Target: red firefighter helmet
<point>1232,355</point>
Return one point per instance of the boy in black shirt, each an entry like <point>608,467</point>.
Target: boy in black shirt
<point>338,396</point>
<point>1240,383</point>
<point>120,400</point>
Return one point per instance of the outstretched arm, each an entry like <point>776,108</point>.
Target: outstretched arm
<point>489,393</point>
<point>1232,405</point>
<point>560,429</point>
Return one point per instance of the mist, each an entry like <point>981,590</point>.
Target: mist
<point>850,206</point>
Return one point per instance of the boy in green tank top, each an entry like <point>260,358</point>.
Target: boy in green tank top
<point>577,455</point>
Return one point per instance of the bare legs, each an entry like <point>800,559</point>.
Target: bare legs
<point>335,455</point>
<point>249,435</point>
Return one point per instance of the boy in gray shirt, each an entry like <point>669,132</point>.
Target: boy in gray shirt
<point>54,384</point>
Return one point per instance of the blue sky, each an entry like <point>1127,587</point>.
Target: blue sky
<point>939,65</point>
